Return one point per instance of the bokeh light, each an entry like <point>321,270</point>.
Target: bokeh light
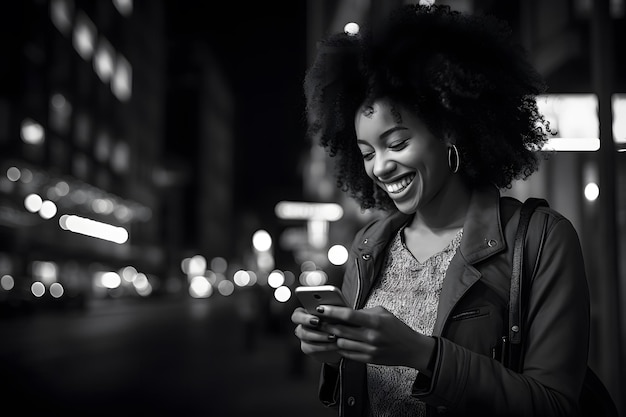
<point>7,282</point>
<point>592,191</point>
<point>261,240</point>
<point>219,265</point>
<point>308,266</point>
<point>197,265</point>
<point>275,279</point>
<point>38,289</point>
<point>351,28</point>
<point>199,287</point>
<point>56,290</point>
<point>142,284</point>
<point>290,278</point>
<point>33,203</point>
<point>338,255</point>
<point>242,278</point>
<point>13,174</point>
<point>110,280</point>
<point>316,277</point>
<point>93,228</point>
<point>32,132</point>
<point>48,209</point>
<point>128,273</point>
<point>282,294</point>
<point>226,287</point>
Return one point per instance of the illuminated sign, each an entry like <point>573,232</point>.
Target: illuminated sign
<point>298,210</point>
<point>574,118</point>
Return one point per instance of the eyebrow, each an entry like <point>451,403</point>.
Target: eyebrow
<point>384,134</point>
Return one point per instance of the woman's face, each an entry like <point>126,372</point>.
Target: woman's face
<point>401,155</point>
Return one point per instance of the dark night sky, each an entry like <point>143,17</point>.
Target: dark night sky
<point>261,47</point>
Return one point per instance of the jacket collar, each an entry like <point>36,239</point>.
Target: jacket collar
<point>482,237</point>
<point>482,230</point>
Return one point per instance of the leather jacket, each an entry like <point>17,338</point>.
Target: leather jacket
<point>468,377</point>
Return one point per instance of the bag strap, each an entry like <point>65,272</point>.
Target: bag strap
<point>595,400</point>
<point>520,281</point>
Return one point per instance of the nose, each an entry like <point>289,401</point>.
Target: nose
<point>383,166</point>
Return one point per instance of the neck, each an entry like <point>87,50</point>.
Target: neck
<point>447,210</point>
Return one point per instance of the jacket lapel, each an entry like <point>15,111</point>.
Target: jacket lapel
<point>371,252</point>
<point>482,238</point>
<point>459,278</point>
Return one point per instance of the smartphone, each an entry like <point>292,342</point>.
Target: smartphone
<point>312,296</point>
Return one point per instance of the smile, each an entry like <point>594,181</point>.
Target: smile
<point>399,186</point>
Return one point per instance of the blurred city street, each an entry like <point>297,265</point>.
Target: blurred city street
<point>156,357</point>
<point>160,198</point>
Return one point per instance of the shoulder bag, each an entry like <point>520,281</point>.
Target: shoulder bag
<point>595,400</point>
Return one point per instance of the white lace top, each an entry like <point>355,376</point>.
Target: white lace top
<point>410,290</point>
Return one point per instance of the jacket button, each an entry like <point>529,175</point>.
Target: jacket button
<point>365,241</point>
<point>366,256</point>
<point>491,243</point>
<point>351,401</point>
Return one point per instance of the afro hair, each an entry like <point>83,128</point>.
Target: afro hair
<point>463,75</point>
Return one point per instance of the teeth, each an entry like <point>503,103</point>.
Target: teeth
<point>396,187</point>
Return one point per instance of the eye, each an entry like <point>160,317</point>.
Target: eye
<point>368,156</point>
<point>399,144</point>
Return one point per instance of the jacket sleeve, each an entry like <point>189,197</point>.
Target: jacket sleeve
<point>328,390</point>
<point>329,382</point>
<point>556,347</point>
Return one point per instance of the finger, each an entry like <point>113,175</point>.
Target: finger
<point>344,314</point>
<point>356,351</point>
<point>351,332</point>
<point>307,334</point>
<point>312,348</point>
<point>354,346</point>
<point>367,317</point>
<point>301,317</point>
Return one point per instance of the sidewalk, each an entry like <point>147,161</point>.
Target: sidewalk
<point>288,391</point>
<point>187,358</point>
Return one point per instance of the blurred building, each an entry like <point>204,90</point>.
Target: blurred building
<point>200,151</point>
<point>82,96</point>
<point>577,45</point>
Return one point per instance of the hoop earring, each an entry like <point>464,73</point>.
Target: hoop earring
<point>453,165</point>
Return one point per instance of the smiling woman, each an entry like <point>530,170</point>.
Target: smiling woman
<point>401,156</point>
<point>428,117</point>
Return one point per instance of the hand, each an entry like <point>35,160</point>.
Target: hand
<point>314,342</point>
<point>376,336</point>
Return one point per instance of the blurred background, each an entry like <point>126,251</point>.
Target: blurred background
<point>159,201</point>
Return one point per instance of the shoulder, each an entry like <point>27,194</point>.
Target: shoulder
<point>380,229</point>
<point>510,205</point>
<point>545,219</point>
